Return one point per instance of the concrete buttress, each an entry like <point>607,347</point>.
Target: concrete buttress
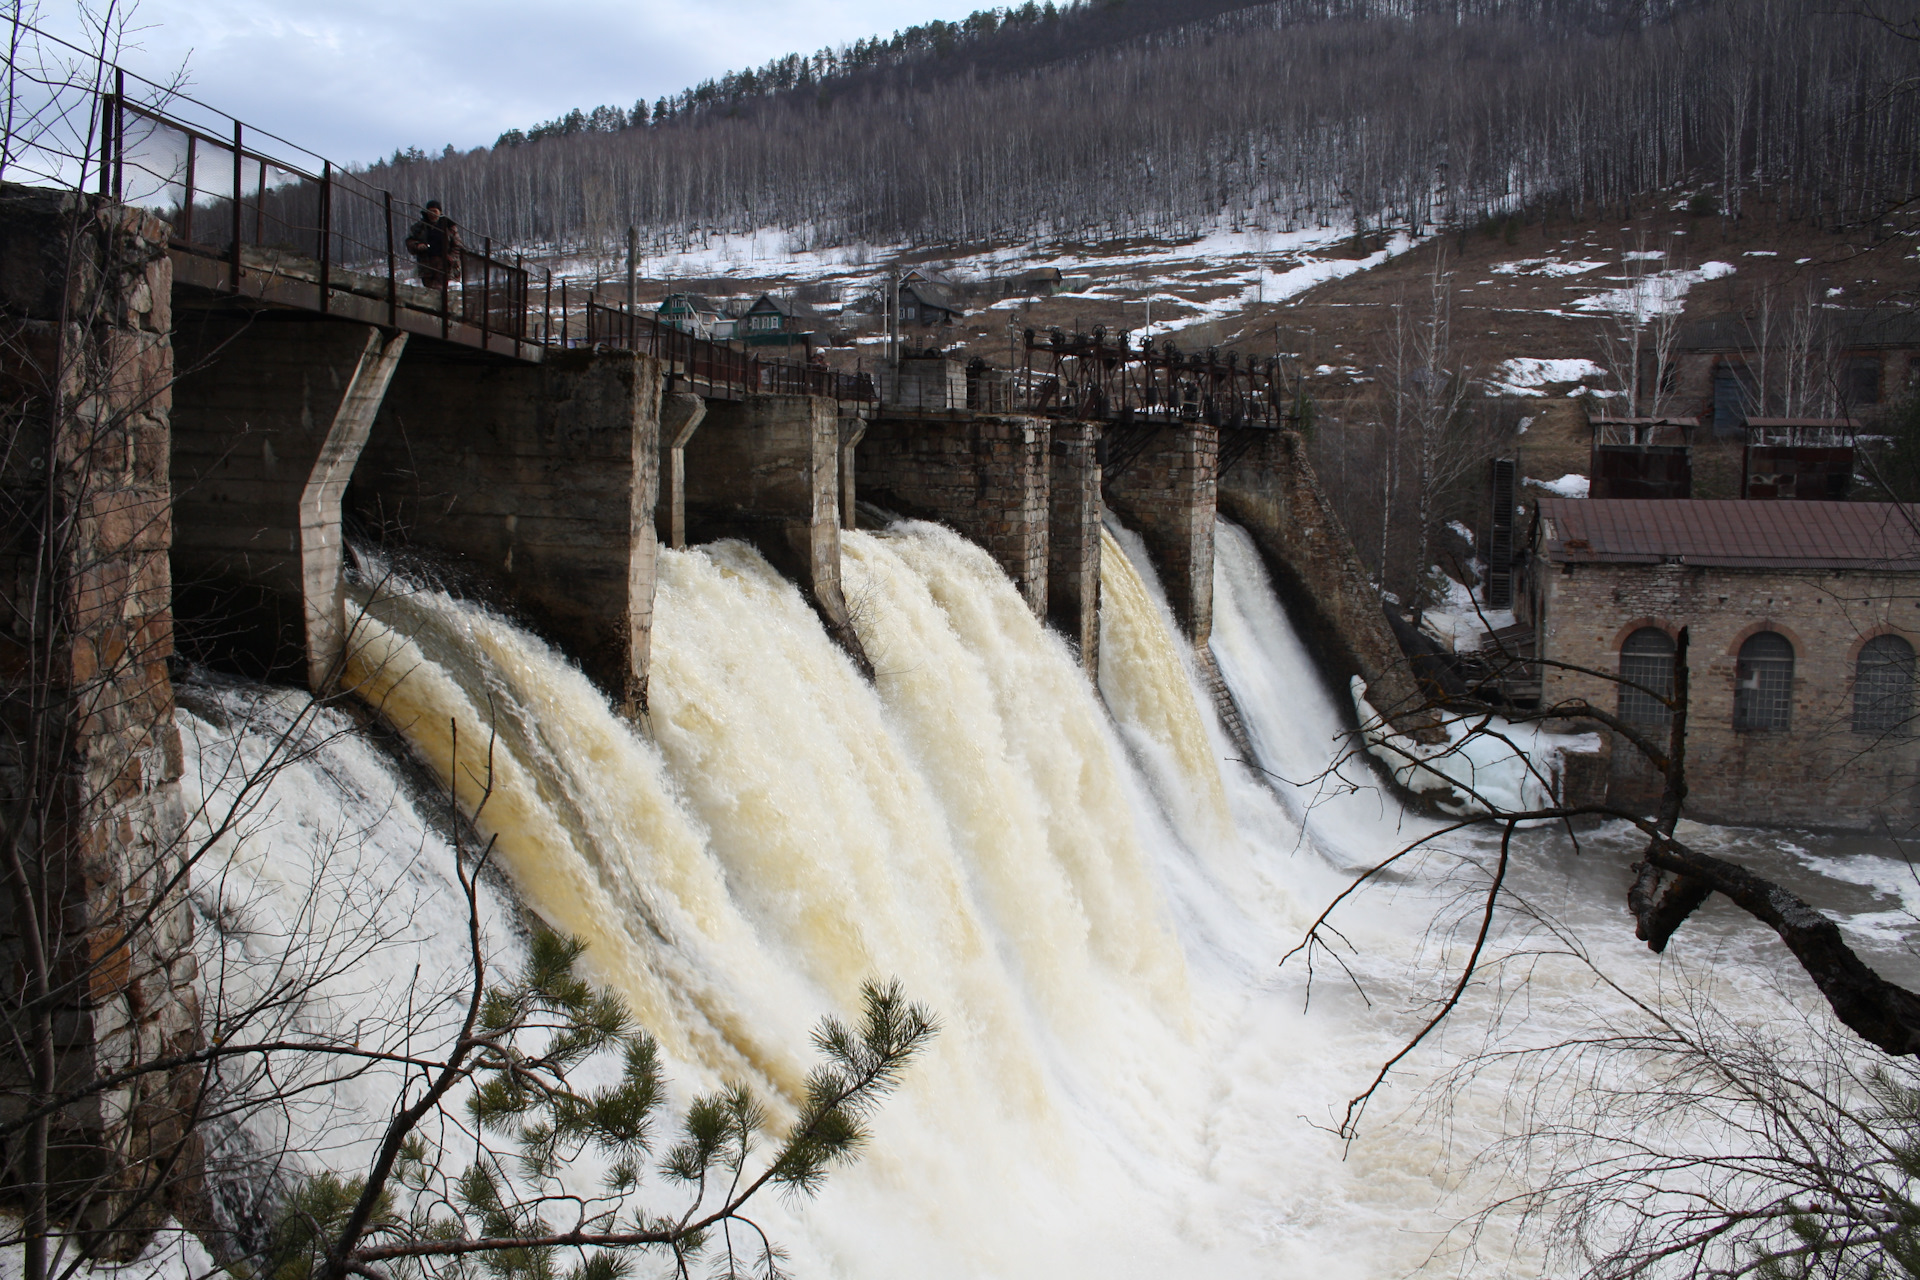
<point>853,429</point>
<point>767,469</point>
<point>322,569</point>
<point>681,414</point>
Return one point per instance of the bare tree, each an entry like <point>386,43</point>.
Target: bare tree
<point>1637,336</point>
<point>1299,114</point>
<point>1427,403</point>
<point>1804,1195</point>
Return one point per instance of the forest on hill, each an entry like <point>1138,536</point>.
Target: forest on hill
<point>1165,117</point>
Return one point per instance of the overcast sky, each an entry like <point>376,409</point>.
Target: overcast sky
<point>354,79</point>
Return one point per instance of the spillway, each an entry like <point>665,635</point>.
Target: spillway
<point>1081,883</point>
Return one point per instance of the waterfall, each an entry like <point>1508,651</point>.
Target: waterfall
<point>1079,881</point>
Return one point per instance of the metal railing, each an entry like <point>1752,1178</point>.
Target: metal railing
<point>244,203</point>
<point>251,201</point>
<point>1103,376</point>
<point>704,362</point>
<point>246,206</point>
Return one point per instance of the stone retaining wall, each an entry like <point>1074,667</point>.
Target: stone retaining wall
<point>90,758</point>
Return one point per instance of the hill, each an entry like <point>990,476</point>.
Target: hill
<point>1179,117</point>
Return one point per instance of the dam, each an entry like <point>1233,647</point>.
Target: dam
<point>785,685</point>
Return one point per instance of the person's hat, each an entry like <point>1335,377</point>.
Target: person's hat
<point>431,204</point>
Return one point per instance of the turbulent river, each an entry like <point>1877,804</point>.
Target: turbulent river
<point>1084,884</point>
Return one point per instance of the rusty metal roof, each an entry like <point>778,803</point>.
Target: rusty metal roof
<point>1729,534</point>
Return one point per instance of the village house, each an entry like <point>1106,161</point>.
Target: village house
<point>1802,619</point>
<point>1041,282</point>
<point>777,322</point>
<point>696,314</point>
<point>928,305</point>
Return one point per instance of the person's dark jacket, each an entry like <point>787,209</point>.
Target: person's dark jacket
<point>427,239</point>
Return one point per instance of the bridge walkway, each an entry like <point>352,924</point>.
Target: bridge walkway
<point>266,223</point>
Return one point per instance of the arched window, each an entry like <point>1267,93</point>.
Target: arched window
<point>1763,682</point>
<point>1646,659</point>
<point>1883,686</point>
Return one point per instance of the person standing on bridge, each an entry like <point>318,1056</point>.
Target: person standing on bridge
<point>434,242</point>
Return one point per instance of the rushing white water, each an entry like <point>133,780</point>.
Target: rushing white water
<point>1090,902</point>
<point>1081,884</point>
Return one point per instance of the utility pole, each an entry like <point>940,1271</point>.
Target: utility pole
<point>633,263</point>
<point>1013,355</point>
<point>893,319</point>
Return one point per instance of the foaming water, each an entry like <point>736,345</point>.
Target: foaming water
<point>1147,678</point>
<point>1078,881</point>
<point>784,831</point>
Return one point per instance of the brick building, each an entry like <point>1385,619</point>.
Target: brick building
<point>1802,617</point>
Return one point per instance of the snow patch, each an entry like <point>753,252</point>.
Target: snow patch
<point>1567,486</point>
<point>1524,375</point>
<point>1473,772</point>
<point>1663,293</point>
<point>1544,267</point>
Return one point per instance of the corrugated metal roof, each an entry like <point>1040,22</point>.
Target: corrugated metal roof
<point>1730,534</point>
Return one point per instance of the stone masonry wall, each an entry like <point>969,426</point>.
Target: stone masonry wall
<point>1817,772</point>
<point>541,478</point>
<point>1167,495</point>
<point>90,758</point>
<point>1073,538</point>
<point>986,477</point>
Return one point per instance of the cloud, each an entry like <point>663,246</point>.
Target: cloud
<point>355,79</point>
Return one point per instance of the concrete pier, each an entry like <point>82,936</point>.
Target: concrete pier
<point>322,547</point>
<point>767,469</point>
<point>1074,510</point>
<point>542,479</point>
<point>986,477</point>
<point>1164,489</point>
<point>853,429</point>
<point>680,416</point>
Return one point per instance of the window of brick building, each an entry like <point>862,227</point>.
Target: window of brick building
<point>1646,659</point>
<point>1883,686</point>
<point>1763,683</point>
